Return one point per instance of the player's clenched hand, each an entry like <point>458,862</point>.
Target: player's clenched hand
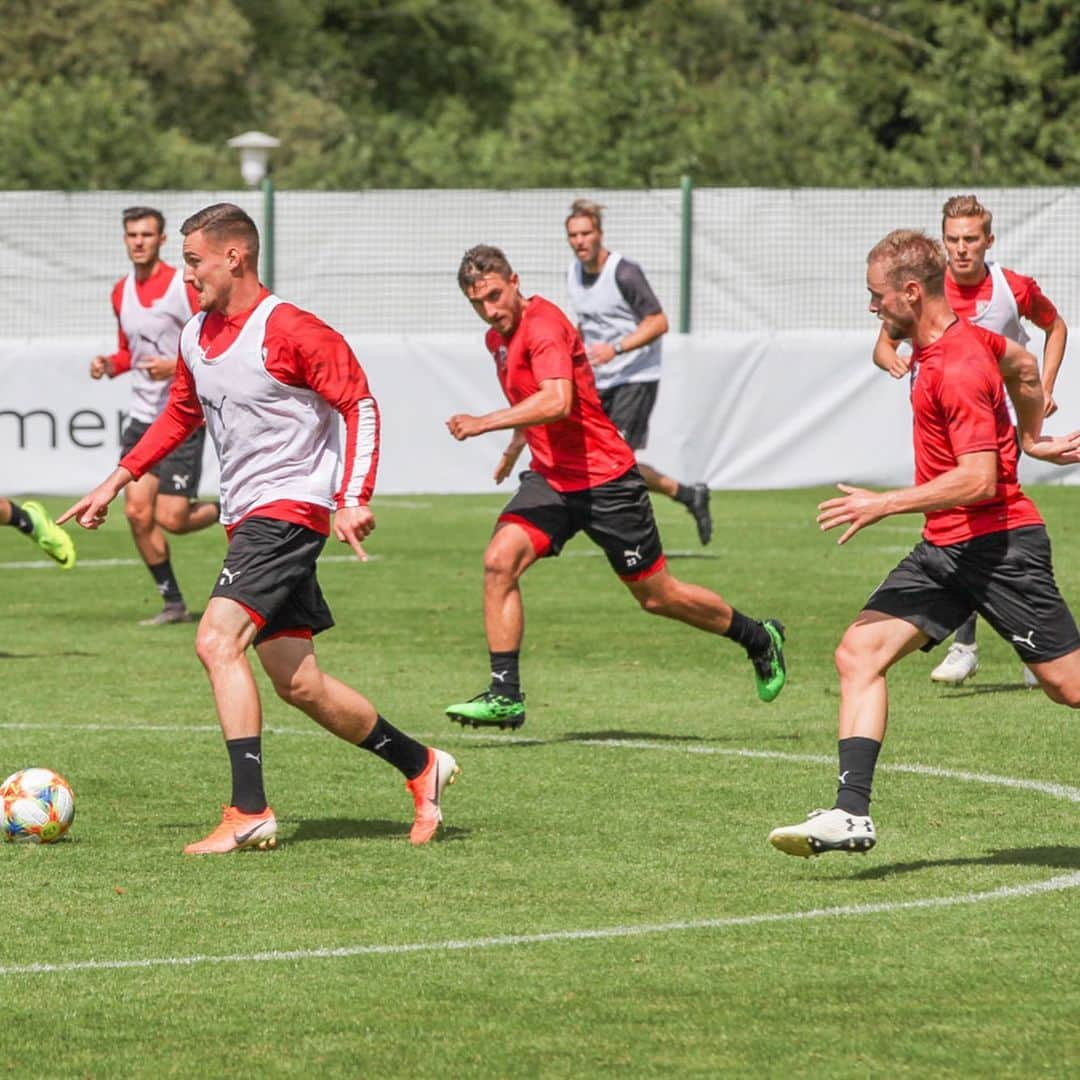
<point>1056,449</point>
<point>158,367</point>
<point>100,365</point>
<point>1051,404</point>
<point>856,508</point>
<point>351,525</point>
<point>463,426</point>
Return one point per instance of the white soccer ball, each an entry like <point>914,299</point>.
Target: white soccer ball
<point>37,805</point>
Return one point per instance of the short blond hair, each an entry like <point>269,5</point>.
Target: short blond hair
<point>586,208</point>
<point>966,206</point>
<point>910,254</point>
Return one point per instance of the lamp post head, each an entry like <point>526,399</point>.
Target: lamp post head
<point>254,147</point>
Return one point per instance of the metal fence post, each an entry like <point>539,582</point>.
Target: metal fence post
<point>686,254</point>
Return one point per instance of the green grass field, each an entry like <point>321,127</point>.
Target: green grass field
<point>602,901</point>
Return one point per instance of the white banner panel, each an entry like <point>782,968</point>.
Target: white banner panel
<point>738,410</point>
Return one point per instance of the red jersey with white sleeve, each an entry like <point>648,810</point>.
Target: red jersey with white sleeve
<point>999,300</point>
<point>288,407</point>
<point>149,315</point>
<point>958,402</point>
<point>584,450</point>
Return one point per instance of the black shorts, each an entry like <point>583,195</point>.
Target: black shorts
<point>629,407</point>
<point>270,569</point>
<point>1007,577</point>
<point>178,473</point>
<point>617,516</point>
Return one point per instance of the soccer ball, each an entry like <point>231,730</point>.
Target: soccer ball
<point>38,806</point>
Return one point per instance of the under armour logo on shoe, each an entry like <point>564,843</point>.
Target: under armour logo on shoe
<point>232,575</point>
<point>1029,640</point>
<point>257,758</point>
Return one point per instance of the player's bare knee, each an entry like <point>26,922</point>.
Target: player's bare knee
<point>214,647</point>
<point>171,519</point>
<point>140,518</point>
<point>301,689</point>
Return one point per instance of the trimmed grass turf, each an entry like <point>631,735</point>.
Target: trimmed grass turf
<point>545,834</point>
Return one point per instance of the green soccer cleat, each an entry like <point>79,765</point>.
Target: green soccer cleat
<point>770,672</point>
<point>49,536</point>
<point>489,710</point>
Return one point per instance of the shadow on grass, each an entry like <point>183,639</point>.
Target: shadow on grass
<point>991,688</point>
<point>354,829</point>
<point>1058,857</point>
<point>42,655</point>
<point>653,736</point>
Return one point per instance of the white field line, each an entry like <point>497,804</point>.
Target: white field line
<point>1009,892</point>
<point>1044,787</point>
<point>101,564</point>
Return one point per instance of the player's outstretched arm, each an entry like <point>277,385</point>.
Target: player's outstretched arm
<point>91,510</point>
<point>1055,449</point>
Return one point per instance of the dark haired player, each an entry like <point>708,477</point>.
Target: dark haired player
<point>582,477</point>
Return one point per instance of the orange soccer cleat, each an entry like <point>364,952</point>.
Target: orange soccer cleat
<point>427,789</point>
<point>237,831</point>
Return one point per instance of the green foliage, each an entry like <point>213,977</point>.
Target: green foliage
<point>444,93</point>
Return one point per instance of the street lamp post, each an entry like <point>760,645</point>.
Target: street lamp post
<point>255,147</point>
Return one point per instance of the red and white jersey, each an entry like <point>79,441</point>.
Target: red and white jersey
<point>958,406</point>
<point>288,407</point>
<point>584,450</point>
<point>1000,301</point>
<point>150,325</point>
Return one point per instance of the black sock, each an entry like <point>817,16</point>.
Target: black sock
<point>21,519</point>
<point>505,676</point>
<point>858,756</point>
<point>245,757</point>
<point>165,581</point>
<point>685,494</point>
<point>396,748</point>
<point>965,635</point>
<point>749,633</point>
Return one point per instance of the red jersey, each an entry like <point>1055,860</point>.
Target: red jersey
<point>958,402</point>
<point>1031,303</point>
<point>585,450</point>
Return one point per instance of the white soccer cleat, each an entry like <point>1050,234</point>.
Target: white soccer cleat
<point>960,663</point>
<point>1031,680</point>
<point>825,830</point>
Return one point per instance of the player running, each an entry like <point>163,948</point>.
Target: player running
<point>582,478</point>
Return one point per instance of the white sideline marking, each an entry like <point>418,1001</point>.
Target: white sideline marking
<point>98,564</point>
<point>1008,892</point>
<point>1054,884</point>
<point>1045,787</point>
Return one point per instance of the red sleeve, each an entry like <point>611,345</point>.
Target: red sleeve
<point>121,359</point>
<point>303,351</point>
<point>1031,302</point>
<point>182,415</point>
<point>965,392</point>
<point>551,349</point>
